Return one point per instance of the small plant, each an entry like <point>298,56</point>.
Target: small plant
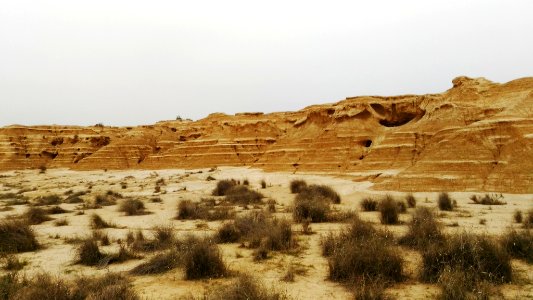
<point>223,186</point>
<point>315,209</point>
<point>482,221</point>
<point>297,186</point>
<point>445,202</point>
<point>423,230</point>
<point>48,200</point>
<point>369,204</point>
<point>242,195</point>
<point>411,200</point>
<point>203,260</point>
<point>13,263</point>
<point>263,184</point>
<point>16,236</point>
<point>42,169</point>
<point>163,238</point>
<point>132,207</point>
<point>528,221</point>
<point>89,254</point>
<point>36,215</point>
<point>158,264</point>
<point>517,216</point>
<point>98,223</point>
<point>519,244</point>
<point>388,209</point>
<point>55,210</point>
<point>243,288</point>
<point>493,199</point>
<point>320,191</point>
<point>61,222</point>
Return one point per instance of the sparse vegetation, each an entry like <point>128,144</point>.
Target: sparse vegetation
<point>315,209</point>
<point>47,200</point>
<point>423,230</point>
<point>517,216</point>
<point>297,186</point>
<point>163,238</point>
<point>388,208</point>
<point>320,191</point>
<point>242,195</point>
<point>61,222</point>
<point>188,210</point>
<point>36,215</point>
<point>519,244</point>
<point>132,207</point>
<point>369,204</point>
<point>98,223</point>
<point>263,184</point>
<point>245,287</point>
<point>223,186</point>
<point>488,199</point>
<point>89,254</point>
<point>411,200</point>
<point>445,202</point>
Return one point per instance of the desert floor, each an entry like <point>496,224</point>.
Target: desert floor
<point>57,255</point>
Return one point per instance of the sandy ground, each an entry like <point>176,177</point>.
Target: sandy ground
<point>57,256</point>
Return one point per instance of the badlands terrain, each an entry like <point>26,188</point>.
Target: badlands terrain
<point>406,197</point>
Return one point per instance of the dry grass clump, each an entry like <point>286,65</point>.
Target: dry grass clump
<point>75,197</point>
<point>200,258</point>
<point>13,263</point>
<point>242,195</point>
<point>445,202</point>
<point>315,209</point>
<point>223,186</point>
<point>519,244</point>
<point>368,289</point>
<point>163,238</point>
<point>98,223</point>
<point>456,284</point>
<point>389,209</point>
<point>47,200</point>
<point>360,253</point>
<point>257,230</point>
<point>478,255</point>
<point>17,236</point>
<point>369,204</point>
<point>132,207</point>
<point>61,222</point>
<point>263,184</point>
<point>493,199</point>
<point>423,230</point>
<point>517,216</point>
<point>245,287</point>
<point>56,210</point>
<point>45,287</point>
<point>189,210</point>
<point>89,254</point>
<point>411,200</point>
<point>528,221</point>
<point>320,191</point>
<point>297,186</point>
<point>36,215</point>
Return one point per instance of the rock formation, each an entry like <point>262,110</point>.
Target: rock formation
<point>477,136</point>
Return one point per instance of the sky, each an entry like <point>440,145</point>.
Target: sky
<point>130,62</point>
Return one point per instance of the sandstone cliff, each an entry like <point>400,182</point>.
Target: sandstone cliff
<point>478,136</point>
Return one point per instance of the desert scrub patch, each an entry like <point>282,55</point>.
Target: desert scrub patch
<point>189,210</point>
<point>245,287</point>
<point>36,215</point>
<point>98,223</point>
<point>242,195</point>
<point>88,253</point>
<point>223,186</point>
<point>488,199</point>
<point>519,244</point>
<point>132,207</point>
<point>297,185</point>
<point>424,230</point>
<point>389,210</point>
<point>369,204</point>
<point>410,200</point>
<point>162,238</point>
<point>445,202</point>
<point>47,200</point>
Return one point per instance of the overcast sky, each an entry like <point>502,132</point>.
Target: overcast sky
<point>137,62</point>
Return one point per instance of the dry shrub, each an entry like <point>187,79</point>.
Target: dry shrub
<point>492,199</point>
<point>423,230</point>
<point>158,264</point>
<point>297,186</point>
<point>388,208</point>
<point>310,205</point>
<point>36,215</point>
<point>361,253</point>
<point>75,197</point>
<point>320,191</point>
<point>519,244</point>
<point>132,207</point>
<point>108,286</point>
<point>42,287</point>
<point>528,221</point>
<point>263,184</point>
<point>457,284</point>
<point>258,230</point>
<point>245,287</point>
<point>61,222</point>
<point>13,263</point>
<point>56,210</point>
<point>242,195</point>
<point>98,223</point>
<point>89,254</point>
<point>367,289</point>
<point>517,216</point>
<point>474,254</point>
<point>163,238</point>
<point>445,202</point>
<point>17,236</point>
<point>369,204</point>
<point>411,200</point>
<point>189,210</point>
<point>223,186</point>
<point>47,200</point>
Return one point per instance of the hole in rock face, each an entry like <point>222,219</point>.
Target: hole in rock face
<point>367,143</point>
<point>378,108</point>
<point>398,119</point>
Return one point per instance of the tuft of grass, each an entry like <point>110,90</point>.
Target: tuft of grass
<point>16,236</point>
<point>13,263</point>
<point>163,238</point>
<point>245,287</point>
<point>223,186</point>
<point>89,254</point>
<point>55,210</point>
<point>388,209</point>
<point>108,286</point>
<point>263,184</point>
<point>158,264</point>
<point>132,207</point>
<point>528,221</point>
<point>36,215</point>
<point>75,197</point>
<point>519,244</point>
<point>368,289</point>
<point>517,216</point>
<point>369,204</point>
<point>445,202</point>
<point>242,195</point>
<point>423,230</point>
<point>488,199</point>
<point>310,206</point>
<point>411,200</point>
<point>61,222</point>
<point>189,210</point>
<point>48,200</point>
<point>98,223</point>
<point>478,255</point>
<point>297,186</point>
<point>361,252</point>
<point>320,191</point>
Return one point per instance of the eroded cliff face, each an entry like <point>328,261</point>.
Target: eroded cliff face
<point>476,136</point>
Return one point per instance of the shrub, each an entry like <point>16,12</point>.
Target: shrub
<point>402,207</point>
<point>388,209</point>
<point>163,238</point>
<point>445,202</point>
<point>320,191</point>
<point>310,206</point>
<point>228,233</point>
<point>108,286</point>
<point>241,194</point>
<point>36,215</point>
<point>61,222</point>
<point>89,254</point>
<point>75,197</point>
<point>203,260</point>
<point>519,244</point>
<point>359,253</point>
<point>48,200</point>
<point>369,204</point>
<point>55,210</point>
<point>188,210</point>
<point>370,290</point>
<point>17,236</point>
<point>477,255</point>
<point>297,186</point>
<point>528,222</point>
<point>42,286</point>
<point>223,186</point>
<point>158,264</point>
<point>132,207</point>
<point>517,216</point>
<point>423,230</point>
<point>245,287</point>
<point>263,184</point>
<point>98,223</point>
<point>411,200</point>
<point>13,263</point>
<point>493,199</point>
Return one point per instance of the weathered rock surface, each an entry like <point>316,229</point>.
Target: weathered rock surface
<point>478,135</point>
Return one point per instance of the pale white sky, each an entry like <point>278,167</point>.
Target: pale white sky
<point>127,62</point>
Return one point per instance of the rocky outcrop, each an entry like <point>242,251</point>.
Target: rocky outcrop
<point>476,136</point>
